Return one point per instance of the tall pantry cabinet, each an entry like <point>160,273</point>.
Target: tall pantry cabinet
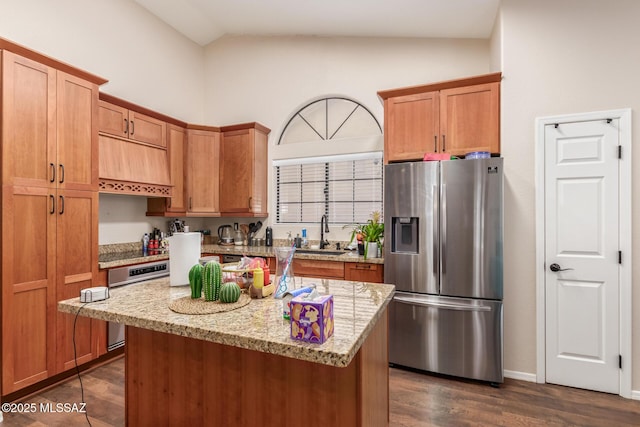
<point>49,217</point>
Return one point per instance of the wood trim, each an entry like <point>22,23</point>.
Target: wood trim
<point>51,62</point>
<point>203,127</point>
<point>131,106</point>
<point>133,188</point>
<point>245,126</point>
<point>448,84</point>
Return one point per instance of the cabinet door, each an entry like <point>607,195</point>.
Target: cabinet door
<point>28,286</point>
<point>113,119</point>
<point>77,131</point>
<point>236,171</point>
<point>28,122</point>
<point>470,119</point>
<point>317,268</point>
<point>77,265</point>
<point>143,128</point>
<point>176,167</point>
<point>203,155</point>
<point>411,126</point>
<point>363,272</point>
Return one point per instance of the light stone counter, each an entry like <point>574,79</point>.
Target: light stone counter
<point>113,259</point>
<point>258,326</point>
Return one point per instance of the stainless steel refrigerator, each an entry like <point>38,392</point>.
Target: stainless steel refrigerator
<point>443,251</point>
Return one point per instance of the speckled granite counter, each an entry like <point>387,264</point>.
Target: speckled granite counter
<point>117,259</point>
<point>258,326</point>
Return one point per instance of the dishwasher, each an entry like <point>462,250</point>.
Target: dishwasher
<point>127,276</point>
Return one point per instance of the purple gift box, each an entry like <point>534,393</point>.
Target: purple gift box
<point>312,319</point>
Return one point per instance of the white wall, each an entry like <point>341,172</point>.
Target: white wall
<point>558,57</point>
<point>266,79</point>
<point>145,60</point>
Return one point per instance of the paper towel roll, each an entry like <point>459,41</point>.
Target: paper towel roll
<point>184,252</point>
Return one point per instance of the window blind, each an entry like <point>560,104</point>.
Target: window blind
<point>346,188</point>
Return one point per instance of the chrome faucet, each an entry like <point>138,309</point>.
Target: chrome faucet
<point>324,228</point>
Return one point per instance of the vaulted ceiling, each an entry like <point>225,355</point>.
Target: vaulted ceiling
<point>203,21</point>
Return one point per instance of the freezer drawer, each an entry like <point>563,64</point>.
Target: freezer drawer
<point>452,336</point>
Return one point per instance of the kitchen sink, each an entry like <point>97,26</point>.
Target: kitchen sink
<point>319,252</point>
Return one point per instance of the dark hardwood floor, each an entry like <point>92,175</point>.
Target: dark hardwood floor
<point>417,399</point>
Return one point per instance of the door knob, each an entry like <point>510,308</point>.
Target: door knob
<point>555,268</point>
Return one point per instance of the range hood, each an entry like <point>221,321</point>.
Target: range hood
<point>129,167</point>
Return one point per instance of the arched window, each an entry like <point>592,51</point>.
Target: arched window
<point>346,187</point>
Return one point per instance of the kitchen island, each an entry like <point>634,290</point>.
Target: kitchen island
<point>241,367</point>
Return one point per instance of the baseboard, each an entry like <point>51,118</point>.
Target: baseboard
<point>635,394</point>
<point>523,376</point>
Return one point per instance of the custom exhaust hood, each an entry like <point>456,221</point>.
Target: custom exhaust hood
<point>133,151</point>
<point>128,167</point>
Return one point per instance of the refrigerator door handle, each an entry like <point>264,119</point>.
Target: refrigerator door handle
<point>443,230</point>
<point>434,226</point>
<point>446,306</point>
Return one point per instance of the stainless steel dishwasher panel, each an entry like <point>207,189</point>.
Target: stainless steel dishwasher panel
<point>453,336</point>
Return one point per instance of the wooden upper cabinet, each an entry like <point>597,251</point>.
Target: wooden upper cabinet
<point>77,133</point>
<point>243,168</point>
<point>176,204</point>
<point>455,117</point>
<point>470,119</point>
<point>28,122</point>
<point>49,126</point>
<point>411,126</point>
<point>177,148</point>
<point>124,123</point>
<point>202,164</point>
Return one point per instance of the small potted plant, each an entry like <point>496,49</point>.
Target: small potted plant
<point>370,234</point>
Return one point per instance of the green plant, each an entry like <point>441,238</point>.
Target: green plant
<point>371,232</point>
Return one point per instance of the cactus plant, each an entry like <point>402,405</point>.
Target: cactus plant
<point>212,280</point>
<point>229,292</point>
<point>195,281</point>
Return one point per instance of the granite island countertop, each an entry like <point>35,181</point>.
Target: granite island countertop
<point>257,326</point>
<point>118,259</point>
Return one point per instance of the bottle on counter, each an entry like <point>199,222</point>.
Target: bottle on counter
<point>305,241</point>
<point>145,242</point>
<point>268,238</point>
<point>298,241</point>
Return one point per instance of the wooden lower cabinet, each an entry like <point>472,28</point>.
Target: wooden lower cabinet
<point>77,265</point>
<point>49,253</point>
<point>316,268</point>
<point>28,287</point>
<point>364,272</point>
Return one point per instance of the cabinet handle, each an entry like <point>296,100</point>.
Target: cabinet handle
<point>190,207</point>
<point>61,173</point>
<point>168,202</point>
<point>126,126</point>
<point>435,143</point>
<point>53,172</point>
<point>364,266</point>
<point>133,127</point>
<point>249,202</point>
<point>53,204</point>
<point>61,205</point>
<point>444,146</point>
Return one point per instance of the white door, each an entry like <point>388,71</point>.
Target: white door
<point>581,239</point>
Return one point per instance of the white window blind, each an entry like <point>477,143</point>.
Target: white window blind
<point>346,188</point>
